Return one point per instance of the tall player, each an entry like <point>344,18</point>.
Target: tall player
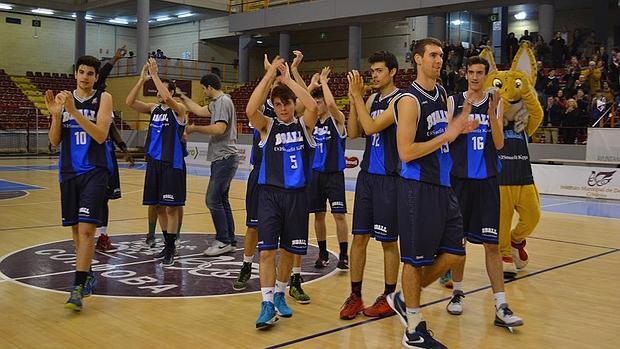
<point>430,225</point>
<point>374,212</point>
<point>286,144</point>
<point>327,181</point>
<point>80,124</point>
<point>474,171</point>
<point>164,182</point>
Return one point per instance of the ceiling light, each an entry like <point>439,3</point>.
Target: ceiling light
<point>6,7</point>
<point>86,17</point>
<point>185,14</point>
<point>259,41</point>
<point>457,22</point>
<point>118,21</point>
<point>521,15</point>
<point>42,11</point>
<point>164,18</point>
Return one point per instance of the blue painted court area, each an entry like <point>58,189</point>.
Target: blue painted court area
<point>15,186</point>
<point>549,203</point>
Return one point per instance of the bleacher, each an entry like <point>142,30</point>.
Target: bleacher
<point>16,110</point>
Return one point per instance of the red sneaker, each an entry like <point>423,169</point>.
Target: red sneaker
<point>103,243</point>
<point>351,307</point>
<point>519,254</point>
<point>381,308</point>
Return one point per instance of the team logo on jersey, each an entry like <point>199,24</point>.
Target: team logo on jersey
<point>131,270</point>
<point>289,137</point>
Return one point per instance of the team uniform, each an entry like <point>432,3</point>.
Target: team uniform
<point>429,217</point>
<point>283,175</point>
<point>474,174</point>
<point>327,182</point>
<point>165,180</point>
<point>374,211</point>
<point>256,154</point>
<point>85,166</point>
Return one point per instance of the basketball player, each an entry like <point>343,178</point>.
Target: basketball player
<point>474,171</point>
<point>374,212</point>
<point>165,181</point>
<point>80,124</point>
<point>327,181</point>
<point>282,211</point>
<point>430,225</point>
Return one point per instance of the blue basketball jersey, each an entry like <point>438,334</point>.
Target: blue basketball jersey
<point>380,155</point>
<point>330,145</point>
<point>163,141</point>
<point>435,167</point>
<point>286,155</point>
<point>255,153</point>
<point>473,154</point>
<point>79,152</point>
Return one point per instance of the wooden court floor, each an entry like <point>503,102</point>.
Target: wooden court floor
<point>568,294</point>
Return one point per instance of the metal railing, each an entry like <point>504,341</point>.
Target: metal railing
<point>176,68</point>
<point>238,6</point>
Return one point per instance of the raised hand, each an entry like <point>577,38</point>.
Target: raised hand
<point>152,64</point>
<point>286,73</point>
<point>120,53</point>
<point>461,124</point>
<point>297,60</point>
<point>314,82</point>
<point>494,101</point>
<point>324,77</point>
<point>144,75</point>
<point>69,102</point>
<point>54,106</point>
<point>356,83</point>
<point>266,63</point>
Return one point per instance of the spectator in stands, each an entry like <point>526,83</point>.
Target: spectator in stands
<point>593,76</point>
<point>542,50</point>
<point>582,84</point>
<point>575,44</point>
<point>541,83</point>
<point>107,68</point>
<point>614,71</point>
<point>453,60</point>
<point>553,119</point>
<point>583,102</point>
<point>606,92</point>
<point>512,45</point>
<point>552,84</point>
<point>526,37</point>
<point>131,54</point>
<point>160,54</point>
<point>460,82</point>
<point>152,54</point>
<point>558,50</point>
<point>604,57</point>
<point>560,99</point>
<point>571,76</point>
<point>570,122</point>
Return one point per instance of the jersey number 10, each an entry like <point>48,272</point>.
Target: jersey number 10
<point>80,137</point>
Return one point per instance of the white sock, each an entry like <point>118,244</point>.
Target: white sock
<point>414,317</point>
<point>296,270</point>
<point>267,294</point>
<point>102,231</point>
<point>247,259</point>
<point>457,286</point>
<point>281,286</point>
<point>500,298</point>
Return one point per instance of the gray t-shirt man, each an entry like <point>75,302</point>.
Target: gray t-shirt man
<point>222,109</point>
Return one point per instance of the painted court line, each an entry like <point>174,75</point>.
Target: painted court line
<point>364,322</point>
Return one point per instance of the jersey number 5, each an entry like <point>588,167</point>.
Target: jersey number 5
<point>293,161</point>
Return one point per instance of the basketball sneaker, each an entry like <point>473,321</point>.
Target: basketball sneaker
<point>244,275</point>
<point>89,285</point>
<point>519,254</point>
<point>343,263</point>
<point>103,243</point>
<point>455,305</point>
<point>75,298</point>
<point>505,318</point>
<point>446,279</point>
<point>398,304</point>
<point>421,338</point>
<point>218,248</point>
<point>296,291</point>
<point>280,303</point>
<point>267,316</point>
<point>169,253</point>
<point>351,307</point>
<point>510,272</point>
<point>322,261</point>
<point>380,308</point>
<point>150,240</point>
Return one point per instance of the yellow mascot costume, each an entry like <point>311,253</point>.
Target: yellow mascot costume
<point>522,116</point>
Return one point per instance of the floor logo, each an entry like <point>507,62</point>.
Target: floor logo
<point>131,270</point>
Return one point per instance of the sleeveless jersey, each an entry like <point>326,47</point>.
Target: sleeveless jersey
<point>380,154</point>
<point>515,157</point>
<point>473,154</point>
<point>255,153</point>
<point>435,167</point>
<point>330,145</point>
<point>286,155</point>
<point>163,141</point>
<point>79,152</point>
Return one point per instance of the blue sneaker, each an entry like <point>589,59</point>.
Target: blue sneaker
<point>90,284</point>
<point>75,299</point>
<point>267,316</point>
<point>421,338</point>
<point>398,305</point>
<point>281,307</point>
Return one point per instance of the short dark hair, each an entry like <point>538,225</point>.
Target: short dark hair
<point>211,80</point>
<point>172,87</point>
<point>478,60</point>
<point>317,93</point>
<point>283,92</point>
<point>384,56</point>
<point>89,61</point>
<point>420,45</point>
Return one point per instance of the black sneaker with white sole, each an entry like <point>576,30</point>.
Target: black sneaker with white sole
<point>421,338</point>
